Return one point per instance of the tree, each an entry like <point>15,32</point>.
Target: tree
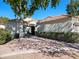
<point>25,8</point>
<point>73,8</point>
<point>4,20</point>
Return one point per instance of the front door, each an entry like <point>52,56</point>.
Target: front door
<point>33,30</point>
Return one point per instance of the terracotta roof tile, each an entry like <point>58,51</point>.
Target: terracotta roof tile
<point>52,18</point>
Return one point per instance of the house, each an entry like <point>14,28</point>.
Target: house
<point>63,23</point>
<point>21,26</point>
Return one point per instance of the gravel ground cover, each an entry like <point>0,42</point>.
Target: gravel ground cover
<point>46,46</point>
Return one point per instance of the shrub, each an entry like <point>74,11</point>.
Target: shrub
<point>5,36</point>
<point>71,37</point>
<point>60,36</point>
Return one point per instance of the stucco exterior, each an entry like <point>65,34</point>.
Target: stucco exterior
<point>63,25</point>
<point>17,26</point>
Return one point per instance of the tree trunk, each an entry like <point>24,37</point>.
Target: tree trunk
<point>17,30</point>
<point>23,29</point>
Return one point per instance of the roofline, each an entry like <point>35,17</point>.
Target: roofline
<point>56,18</point>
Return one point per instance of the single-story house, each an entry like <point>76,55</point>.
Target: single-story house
<point>17,26</point>
<point>63,23</point>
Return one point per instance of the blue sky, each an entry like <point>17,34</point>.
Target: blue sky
<point>5,10</point>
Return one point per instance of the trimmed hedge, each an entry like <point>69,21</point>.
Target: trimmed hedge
<point>5,36</point>
<point>61,36</point>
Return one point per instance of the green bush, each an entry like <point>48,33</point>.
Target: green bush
<point>71,37</point>
<point>5,36</point>
<point>60,36</point>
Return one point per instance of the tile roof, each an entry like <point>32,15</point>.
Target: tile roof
<point>53,18</point>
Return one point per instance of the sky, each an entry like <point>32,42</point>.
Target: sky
<point>6,11</point>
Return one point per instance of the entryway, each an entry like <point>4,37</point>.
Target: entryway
<point>32,30</point>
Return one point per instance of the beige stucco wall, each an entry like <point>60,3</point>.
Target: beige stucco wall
<point>65,25</point>
<point>75,22</point>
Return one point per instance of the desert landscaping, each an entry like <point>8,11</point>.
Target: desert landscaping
<point>38,48</point>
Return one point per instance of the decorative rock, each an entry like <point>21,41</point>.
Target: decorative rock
<point>44,45</point>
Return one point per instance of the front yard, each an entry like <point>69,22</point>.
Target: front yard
<point>48,48</point>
